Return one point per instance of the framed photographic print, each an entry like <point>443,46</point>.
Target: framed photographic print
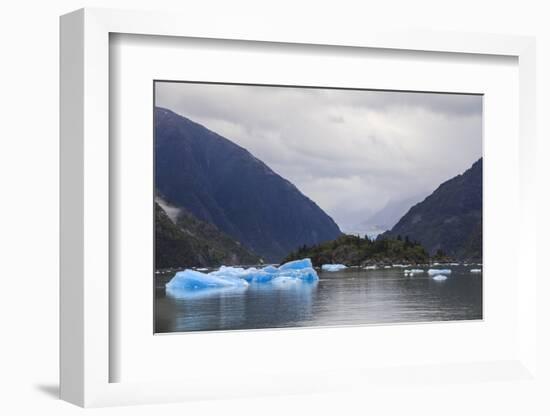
<point>260,213</point>
<point>285,206</point>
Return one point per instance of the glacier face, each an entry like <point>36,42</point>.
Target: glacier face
<point>227,277</point>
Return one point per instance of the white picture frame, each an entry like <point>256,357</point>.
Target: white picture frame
<point>85,307</point>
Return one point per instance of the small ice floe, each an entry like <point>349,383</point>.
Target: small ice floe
<point>475,271</point>
<point>435,264</point>
<point>400,266</point>
<point>374,267</point>
<point>454,264</point>
<point>333,267</point>
<point>434,272</point>
<point>439,277</point>
<point>387,267</point>
<point>202,269</point>
<point>412,272</point>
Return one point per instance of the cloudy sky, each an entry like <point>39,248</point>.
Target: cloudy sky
<point>351,151</point>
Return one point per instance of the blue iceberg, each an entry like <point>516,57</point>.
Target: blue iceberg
<point>296,265</point>
<point>333,267</point>
<point>227,277</point>
<point>193,280</point>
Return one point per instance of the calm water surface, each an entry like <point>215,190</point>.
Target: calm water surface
<point>349,297</point>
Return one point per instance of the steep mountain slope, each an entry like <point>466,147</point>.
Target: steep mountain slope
<point>450,219</point>
<point>221,183</point>
<point>192,243</point>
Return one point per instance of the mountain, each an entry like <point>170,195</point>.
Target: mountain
<point>450,219</point>
<point>385,218</point>
<point>221,183</point>
<point>189,242</point>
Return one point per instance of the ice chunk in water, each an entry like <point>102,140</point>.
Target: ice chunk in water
<point>333,267</point>
<point>475,271</point>
<point>239,277</point>
<point>296,265</point>
<point>433,272</point>
<point>193,280</point>
<point>298,270</point>
<point>439,277</point>
<point>307,274</point>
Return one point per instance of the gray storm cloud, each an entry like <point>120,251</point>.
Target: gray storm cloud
<point>351,151</point>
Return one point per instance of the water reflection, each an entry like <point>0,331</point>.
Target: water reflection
<point>176,293</point>
<point>339,298</point>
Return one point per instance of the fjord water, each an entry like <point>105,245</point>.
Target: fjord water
<point>348,297</point>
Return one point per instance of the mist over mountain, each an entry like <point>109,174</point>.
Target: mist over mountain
<point>221,183</point>
<point>185,241</point>
<point>385,218</point>
<point>450,219</point>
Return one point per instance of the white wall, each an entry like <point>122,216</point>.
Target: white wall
<point>29,213</point>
